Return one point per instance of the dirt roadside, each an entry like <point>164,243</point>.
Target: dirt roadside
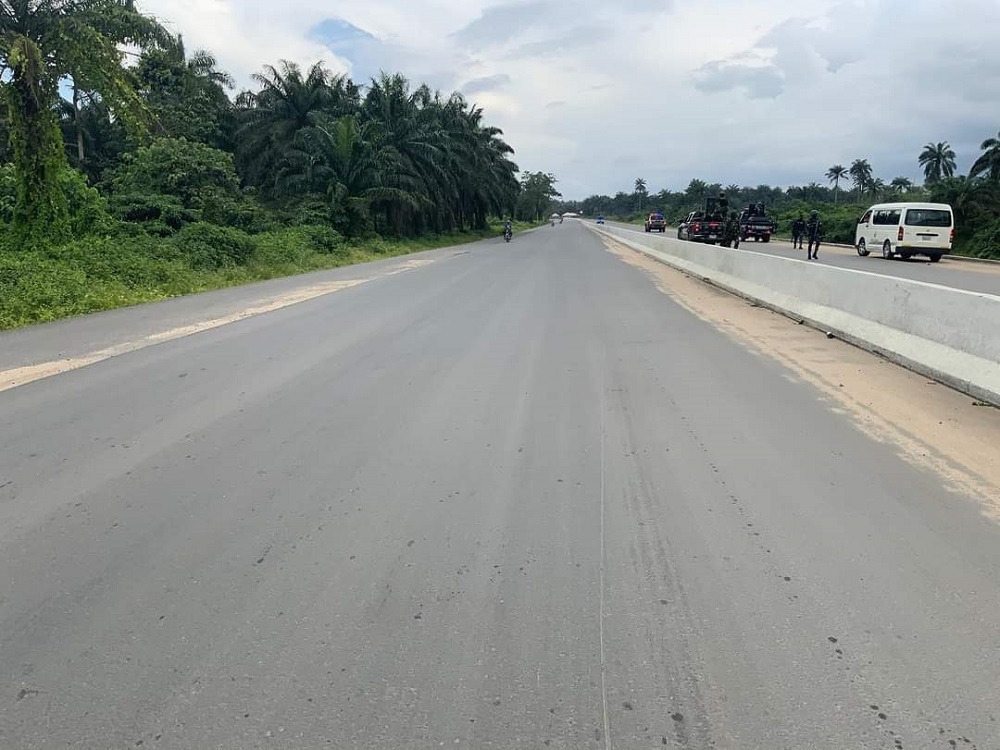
<point>929,424</point>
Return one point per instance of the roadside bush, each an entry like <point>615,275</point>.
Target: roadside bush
<point>159,215</point>
<point>88,210</point>
<point>175,166</point>
<point>986,242</point>
<point>295,246</point>
<point>284,247</point>
<point>35,288</point>
<point>236,210</point>
<point>207,247</point>
<point>323,239</point>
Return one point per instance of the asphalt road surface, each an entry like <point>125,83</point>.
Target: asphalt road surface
<point>513,498</point>
<point>974,277</point>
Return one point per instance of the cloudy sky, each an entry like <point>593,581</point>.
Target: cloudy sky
<point>603,91</point>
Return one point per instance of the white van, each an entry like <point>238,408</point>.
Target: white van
<point>906,229</point>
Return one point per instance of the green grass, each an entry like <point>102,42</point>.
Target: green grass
<point>101,273</point>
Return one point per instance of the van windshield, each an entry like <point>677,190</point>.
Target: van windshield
<point>928,217</point>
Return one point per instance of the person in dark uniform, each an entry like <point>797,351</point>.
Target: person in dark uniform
<point>723,206</point>
<point>733,230</point>
<point>814,231</point>
<point>798,229</point>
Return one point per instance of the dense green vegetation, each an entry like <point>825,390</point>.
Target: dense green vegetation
<point>132,176</point>
<point>975,198</point>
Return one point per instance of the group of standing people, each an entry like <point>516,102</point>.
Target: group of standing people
<point>811,230</point>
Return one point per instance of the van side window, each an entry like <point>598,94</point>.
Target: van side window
<point>887,217</point>
<point>864,219</point>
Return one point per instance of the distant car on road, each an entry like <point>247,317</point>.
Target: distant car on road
<point>906,229</point>
<point>600,219</point>
<point>656,223</point>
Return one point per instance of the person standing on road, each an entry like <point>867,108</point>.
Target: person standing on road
<point>798,229</point>
<point>814,230</point>
<point>731,232</point>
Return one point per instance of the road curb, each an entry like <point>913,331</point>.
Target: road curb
<point>947,256</point>
<point>829,326</point>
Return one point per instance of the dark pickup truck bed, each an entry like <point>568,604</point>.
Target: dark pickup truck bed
<point>698,227</point>
<point>757,226</point>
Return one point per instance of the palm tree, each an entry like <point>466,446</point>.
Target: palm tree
<point>835,174</point>
<point>406,122</point>
<point>42,44</point>
<point>938,161</point>
<point>901,185</point>
<point>988,163</point>
<point>861,174</point>
<point>288,102</point>
<point>877,188</point>
<point>640,190</point>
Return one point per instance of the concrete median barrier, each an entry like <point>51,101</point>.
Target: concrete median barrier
<point>948,334</point>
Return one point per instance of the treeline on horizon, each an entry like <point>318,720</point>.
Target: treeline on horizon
<point>974,197</point>
<point>132,176</point>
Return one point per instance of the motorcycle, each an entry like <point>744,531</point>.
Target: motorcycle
<point>507,234</point>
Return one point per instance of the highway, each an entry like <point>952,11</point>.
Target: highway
<point>536,495</point>
<point>974,277</point>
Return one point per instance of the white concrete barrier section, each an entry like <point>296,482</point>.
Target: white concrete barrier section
<point>951,335</point>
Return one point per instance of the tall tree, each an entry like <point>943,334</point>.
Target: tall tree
<point>861,174</point>
<point>538,190</point>
<point>41,44</point>
<point>835,174</point>
<point>288,101</point>
<point>640,191</point>
<point>186,94</point>
<point>988,163</point>
<point>937,161</point>
<point>901,185</point>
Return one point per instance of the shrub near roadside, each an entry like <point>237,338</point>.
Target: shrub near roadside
<point>207,247</point>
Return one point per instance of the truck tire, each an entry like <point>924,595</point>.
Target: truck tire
<point>936,258</point>
<point>766,238</point>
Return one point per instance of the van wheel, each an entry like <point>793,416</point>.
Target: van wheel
<point>935,258</point>
<point>862,249</point>
<point>887,250</point>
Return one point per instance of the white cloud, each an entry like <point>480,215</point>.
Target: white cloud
<point>771,91</point>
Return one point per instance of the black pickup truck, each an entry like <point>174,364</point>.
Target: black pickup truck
<point>701,227</point>
<point>755,224</point>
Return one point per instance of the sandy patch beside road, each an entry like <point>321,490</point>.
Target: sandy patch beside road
<point>931,425</point>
